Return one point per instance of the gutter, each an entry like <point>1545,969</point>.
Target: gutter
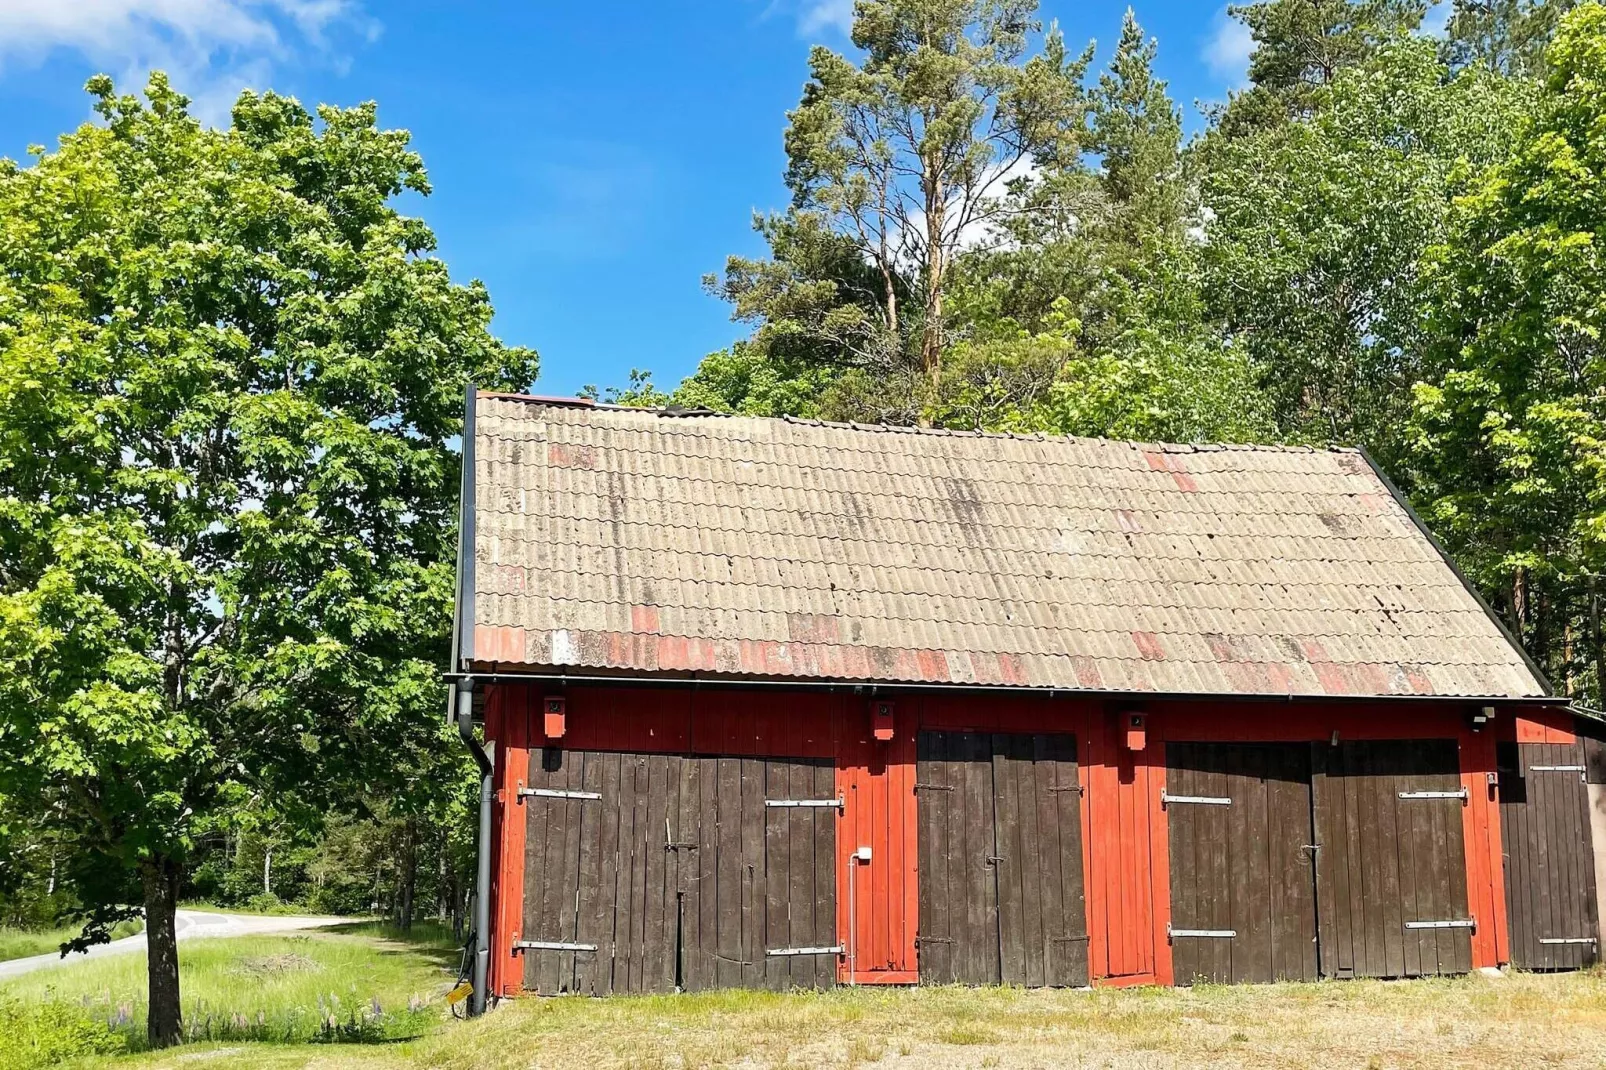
<point>460,707</point>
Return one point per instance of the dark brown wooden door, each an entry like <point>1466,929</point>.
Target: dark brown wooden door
<point>1550,862</point>
<point>1000,829</point>
<point>1242,886</point>
<point>1391,872</point>
<point>656,872</point>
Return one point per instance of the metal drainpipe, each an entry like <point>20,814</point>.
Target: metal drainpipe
<point>482,878</point>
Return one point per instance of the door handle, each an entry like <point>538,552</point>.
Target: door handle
<point>991,860</point>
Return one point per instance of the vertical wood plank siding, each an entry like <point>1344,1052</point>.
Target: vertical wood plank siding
<point>1448,854</point>
<point>1550,871</point>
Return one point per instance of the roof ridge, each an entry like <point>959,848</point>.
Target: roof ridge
<point>672,412</point>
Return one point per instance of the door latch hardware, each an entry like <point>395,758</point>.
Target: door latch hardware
<point>835,804</point>
<point>992,860</point>
<point>1207,934</point>
<point>1197,800</point>
<point>557,793</point>
<point>779,952</point>
<point>1567,940</point>
<point>1459,794</point>
<point>1455,923</point>
<point>550,945</point>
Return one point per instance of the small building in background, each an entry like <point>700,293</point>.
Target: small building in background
<point>780,703</point>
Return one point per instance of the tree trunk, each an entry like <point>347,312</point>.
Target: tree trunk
<point>1595,641</point>
<point>267,869</point>
<point>164,1023</point>
<point>408,891</point>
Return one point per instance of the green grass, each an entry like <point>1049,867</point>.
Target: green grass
<point>1459,1024</point>
<point>24,943</point>
<point>349,983</point>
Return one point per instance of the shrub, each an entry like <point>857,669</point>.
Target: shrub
<point>44,1034</point>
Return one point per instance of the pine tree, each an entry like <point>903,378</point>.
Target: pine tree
<point>1300,45</point>
<point>1508,36</point>
<point>1138,132</point>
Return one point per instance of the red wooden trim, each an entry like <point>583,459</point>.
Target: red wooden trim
<point>1545,726</point>
<point>1131,980</point>
<point>512,765</point>
<point>1480,826</point>
<point>1092,902</point>
<point>1159,866</point>
<point>884,977</point>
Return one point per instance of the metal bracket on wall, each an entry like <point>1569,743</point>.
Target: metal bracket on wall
<point>1208,934</point>
<point>1568,940</point>
<point>933,787</point>
<point>835,804</point>
<point>550,945</point>
<point>1457,923</point>
<point>1459,794</point>
<point>1197,800</point>
<point>557,793</point>
<point>779,952</point>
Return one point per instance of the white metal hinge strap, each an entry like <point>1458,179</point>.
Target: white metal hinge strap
<point>1460,794</point>
<point>1458,923</point>
<point>1555,769</point>
<point>1567,940</point>
<point>1208,934</point>
<point>778,952</point>
<point>550,945</point>
<point>1198,800</point>
<point>833,803</point>
<point>558,793</point>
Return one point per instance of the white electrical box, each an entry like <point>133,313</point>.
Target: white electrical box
<point>862,854</point>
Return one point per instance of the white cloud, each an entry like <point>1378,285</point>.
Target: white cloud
<point>211,48</point>
<point>1227,51</point>
<point>815,16</point>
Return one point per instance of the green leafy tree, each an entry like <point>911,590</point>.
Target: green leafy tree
<point>230,378</point>
<point>1316,231</point>
<point>1510,423</point>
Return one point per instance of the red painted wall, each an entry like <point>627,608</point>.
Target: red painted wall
<point>1125,847</point>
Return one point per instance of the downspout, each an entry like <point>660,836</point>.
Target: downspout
<point>461,702</point>
<point>464,693</point>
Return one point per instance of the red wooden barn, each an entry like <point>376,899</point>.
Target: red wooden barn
<point>781,703</point>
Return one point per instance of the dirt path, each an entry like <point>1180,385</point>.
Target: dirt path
<point>191,924</point>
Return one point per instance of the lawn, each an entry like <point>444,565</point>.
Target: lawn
<point>359,982</point>
<point>1475,1022</point>
<point>23,943</point>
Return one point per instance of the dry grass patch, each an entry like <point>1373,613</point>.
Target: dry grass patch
<point>1472,1023</point>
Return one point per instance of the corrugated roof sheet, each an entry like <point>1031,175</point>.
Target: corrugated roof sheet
<point>627,540</point>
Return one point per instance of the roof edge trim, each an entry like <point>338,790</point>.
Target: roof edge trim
<point>1438,547</point>
<point>511,674</point>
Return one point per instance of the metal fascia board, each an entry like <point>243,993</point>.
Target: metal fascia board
<point>463,620</point>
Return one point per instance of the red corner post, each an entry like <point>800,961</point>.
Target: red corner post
<point>507,717</point>
<point>1480,827</point>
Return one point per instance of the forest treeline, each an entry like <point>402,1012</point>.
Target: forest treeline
<point>231,382</point>
<point>1387,239</point>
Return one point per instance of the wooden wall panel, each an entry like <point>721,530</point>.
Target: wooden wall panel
<point>1549,858</point>
<point>1001,890</point>
<point>1389,863</point>
<point>1242,867</point>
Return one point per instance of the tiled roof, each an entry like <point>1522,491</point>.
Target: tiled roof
<point>623,540</point>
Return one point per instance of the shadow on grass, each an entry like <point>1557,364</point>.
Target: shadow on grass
<point>434,942</point>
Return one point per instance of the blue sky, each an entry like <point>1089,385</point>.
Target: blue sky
<point>590,161</point>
